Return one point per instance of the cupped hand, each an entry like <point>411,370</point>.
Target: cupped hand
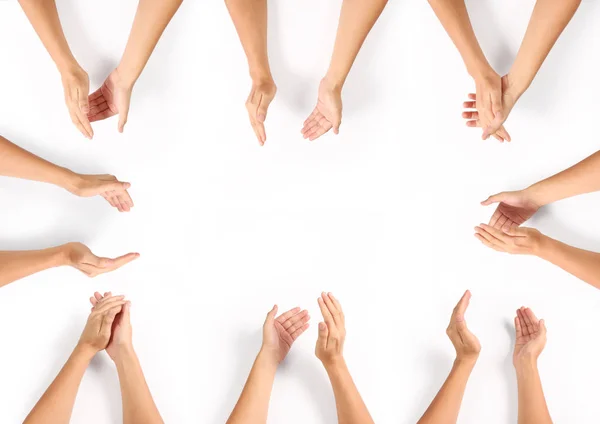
<point>326,115</point>
<point>280,333</point>
<point>518,240</point>
<point>112,98</point>
<point>530,336</point>
<point>107,186</point>
<point>98,329</point>
<point>76,86</point>
<point>257,105</point>
<point>515,207</point>
<point>79,256</point>
<point>332,332</point>
<point>121,331</point>
<point>465,343</point>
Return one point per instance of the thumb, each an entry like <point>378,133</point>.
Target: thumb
<point>496,198</point>
<point>125,313</point>
<point>271,315</point>
<point>108,319</point>
<point>323,333</point>
<point>542,327</point>
<point>115,186</point>
<point>516,231</point>
<point>123,112</point>
<point>263,106</point>
<point>336,126</point>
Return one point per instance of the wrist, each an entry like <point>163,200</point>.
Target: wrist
<point>480,69</point>
<point>125,353</point>
<point>525,364</point>
<point>69,180</point>
<point>127,76</point>
<point>466,361</point>
<point>84,352</point>
<point>334,81</point>
<point>261,75</point>
<point>334,364</point>
<point>517,84</point>
<point>543,246</point>
<point>267,358</point>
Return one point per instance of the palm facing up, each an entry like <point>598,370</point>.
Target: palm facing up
<point>121,333</point>
<point>514,209</point>
<point>465,343</point>
<point>82,258</point>
<point>111,99</point>
<point>530,335</point>
<point>107,186</point>
<point>280,333</point>
<point>326,115</point>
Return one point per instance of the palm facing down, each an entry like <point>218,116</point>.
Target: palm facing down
<point>514,209</point>
<point>465,343</point>
<point>280,333</point>
<point>530,335</point>
<point>111,99</point>
<point>120,335</point>
<point>326,115</point>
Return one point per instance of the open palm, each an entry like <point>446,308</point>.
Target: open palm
<point>280,333</point>
<point>112,98</point>
<point>515,207</point>
<point>530,335</point>
<point>326,115</point>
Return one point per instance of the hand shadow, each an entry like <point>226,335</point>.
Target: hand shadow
<point>248,345</point>
<point>437,366</point>
<point>311,373</point>
<point>511,380</point>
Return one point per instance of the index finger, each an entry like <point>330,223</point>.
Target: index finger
<point>461,307</point>
<point>326,314</point>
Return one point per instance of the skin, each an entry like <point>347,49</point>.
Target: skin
<point>250,20</point>
<point>496,96</point>
<point>114,96</point>
<point>56,404</point>
<point>19,163</point>
<point>279,334</point>
<point>530,342</point>
<point>503,234</point>
<point>445,407</point>
<point>43,16</point>
<point>16,265</point>
<point>138,404</point>
<point>350,406</point>
<point>357,17</point>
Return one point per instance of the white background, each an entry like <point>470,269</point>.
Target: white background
<point>382,215</point>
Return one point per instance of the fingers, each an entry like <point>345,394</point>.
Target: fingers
<point>326,313</point>
<point>516,231</point>
<point>532,319</point>
<point>117,263</point>
<point>109,318</point>
<point>335,313</point>
<point>123,113</point>
<point>106,305</point>
<point>458,315</point>
<point>523,323</point>
<point>496,108</point>
<point>528,321</point>
<point>287,315</point>
<point>518,329</point>
<point>252,105</point>
<point>80,100</point>
<point>291,322</point>
<point>299,331</point>
<point>106,113</point>
<point>542,328</point>
<point>263,107</point>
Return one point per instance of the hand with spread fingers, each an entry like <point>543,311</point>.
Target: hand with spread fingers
<point>477,117</point>
<point>257,105</point>
<point>121,336</point>
<point>112,98</point>
<point>279,333</point>
<point>79,256</point>
<point>98,330</point>
<point>514,209</point>
<point>530,336</point>
<point>327,113</point>
<point>518,240</point>
<point>465,343</point>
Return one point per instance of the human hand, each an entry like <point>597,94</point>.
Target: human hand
<point>98,329</point>
<point>76,86</point>
<point>530,336</point>
<point>488,100</point>
<point>79,256</point>
<point>261,96</point>
<point>518,240</point>
<point>327,114</point>
<point>465,343</point>
<point>514,209</point>
<point>107,186</point>
<point>280,333</point>
<point>112,98</point>
<point>332,332</point>
<point>121,333</point>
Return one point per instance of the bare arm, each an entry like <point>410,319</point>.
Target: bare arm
<point>44,18</point>
<point>532,402</point>
<point>56,404</point>
<point>548,20</point>
<point>253,404</point>
<point>20,264</point>
<point>138,404</point>
<point>350,406</point>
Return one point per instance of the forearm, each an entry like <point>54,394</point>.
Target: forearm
<point>357,17</point>
<point>548,20</point>
<point>138,404</point>
<point>56,404</point>
<point>583,264</point>
<point>20,264</point>
<point>19,163</point>
<point>581,178</point>
<point>445,407</point>
<point>44,18</point>
<point>151,19</point>
<point>250,20</point>
<point>532,403</point>
<point>454,17</point>
<point>253,405</point>
<point>349,404</point>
